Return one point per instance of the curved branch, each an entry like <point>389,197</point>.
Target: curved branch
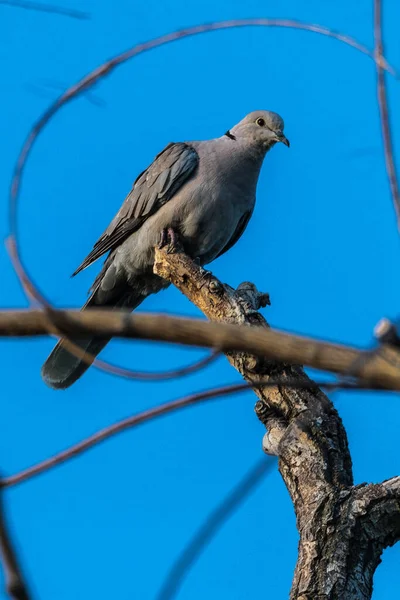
<point>378,369</point>
<point>116,428</point>
<point>48,8</point>
<point>210,527</point>
<point>86,83</point>
<point>384,111</point>
<point>153,413</point>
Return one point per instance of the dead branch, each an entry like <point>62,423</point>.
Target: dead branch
<point>48,8</point>
<point>86,83</point>
<point>343,528</point>
<point>15,584</point>
<point>384,111</point>
<point>134,420</point>
<point>119,427</point>
<point>378,369</point>
<point>210,528</point>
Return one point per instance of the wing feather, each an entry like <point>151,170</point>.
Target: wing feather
<point>152,188</point>
<point>241,226</point>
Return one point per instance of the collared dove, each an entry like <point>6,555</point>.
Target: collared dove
<point>204,191</point>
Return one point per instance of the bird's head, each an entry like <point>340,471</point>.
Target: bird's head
<point>263,128</point>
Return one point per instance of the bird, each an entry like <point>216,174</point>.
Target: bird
<point>202,192</point>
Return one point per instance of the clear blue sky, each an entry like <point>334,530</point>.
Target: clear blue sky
<point>323,243</point>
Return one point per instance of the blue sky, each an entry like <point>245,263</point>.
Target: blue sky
<point>323,242</point>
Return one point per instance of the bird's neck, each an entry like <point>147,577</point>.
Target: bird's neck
<point>240,164</point>
<point>249,155</point>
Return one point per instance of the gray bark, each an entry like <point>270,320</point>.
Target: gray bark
<point>343,527</point>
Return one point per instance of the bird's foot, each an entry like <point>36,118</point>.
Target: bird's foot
<point>205,274</point>
<point>170,239</point>
<point>198,261</point>
<point>164,239</point>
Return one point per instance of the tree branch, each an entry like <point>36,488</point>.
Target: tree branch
<point>152,413</point>
<point>384,111</point>
<point>48,8</point>
<point>378,369</point>
<point>116,428</point>
<point>343,528</point>
<point>214,522</point>
<point>15,585</point>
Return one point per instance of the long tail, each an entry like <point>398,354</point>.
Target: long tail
<point>62,368</point>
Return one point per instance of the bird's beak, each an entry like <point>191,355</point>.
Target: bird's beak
<point>283,139</point>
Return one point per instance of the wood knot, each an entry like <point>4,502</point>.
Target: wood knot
<point>215,286</point>
<point>264,299</point>
<point>262,411</point>
<point>251,363</point>
<point>249,295</point>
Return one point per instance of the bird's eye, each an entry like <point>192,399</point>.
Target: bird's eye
<point>260,122</point>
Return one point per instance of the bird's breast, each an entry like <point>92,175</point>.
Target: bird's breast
<point>212,209</point>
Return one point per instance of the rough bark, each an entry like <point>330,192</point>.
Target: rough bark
<point>343,528</point>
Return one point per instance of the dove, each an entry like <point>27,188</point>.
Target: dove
<point>203,193</point>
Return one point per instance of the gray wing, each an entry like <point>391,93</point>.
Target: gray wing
<point>153,188</point>
<point>241,226</point>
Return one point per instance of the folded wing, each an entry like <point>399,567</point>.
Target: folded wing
<point>153,188</point>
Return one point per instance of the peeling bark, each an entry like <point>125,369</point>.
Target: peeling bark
<point>343,528</point>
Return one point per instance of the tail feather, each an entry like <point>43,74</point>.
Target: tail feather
<point>63,368</point>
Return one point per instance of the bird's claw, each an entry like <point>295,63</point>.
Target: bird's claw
<point>164,239</point>
<point>169,239</point>
<point>205,274</point>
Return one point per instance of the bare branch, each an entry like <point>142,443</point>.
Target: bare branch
<point>129,422</point>
<point>210,528</point>
<point>152,413</point>
<point>198,365</point>
<point>48,8</point>
<point>380,505</point>
<point>342,530</point>
<point>380,369</point>
<point>86,83</point>
<point>387,333</point>
<point>384,111</point>
<point>15,584</point>
<point>51,317</point>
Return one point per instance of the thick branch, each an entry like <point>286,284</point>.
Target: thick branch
<point>376,369</point>
<point>281,409</point>
<point>343,529</point>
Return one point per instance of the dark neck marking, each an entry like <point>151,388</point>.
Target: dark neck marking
<point>229,135</point>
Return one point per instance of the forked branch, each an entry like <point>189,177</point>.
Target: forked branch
<point>343,528</point>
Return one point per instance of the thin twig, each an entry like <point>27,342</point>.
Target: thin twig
<point>48,8</point>
<point>213,524</point>
<point>15,584</point>
<point>384,111</point>
<point>49,315</point>
<point>88,82</point>
<point>200,364</point>
<point>163,409</point>
<point>111,430</point>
